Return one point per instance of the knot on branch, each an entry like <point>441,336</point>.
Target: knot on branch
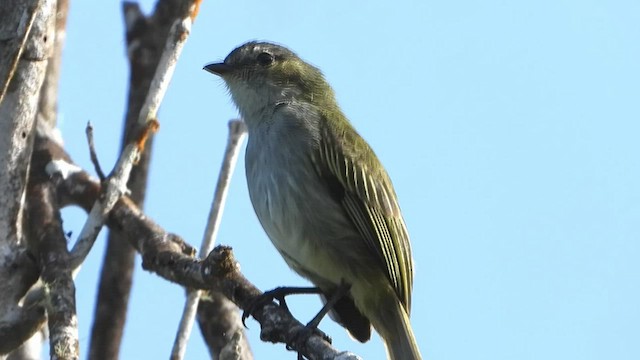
<point>219,263</point>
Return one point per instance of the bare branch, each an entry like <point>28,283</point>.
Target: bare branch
<point>237,132</point>
<point>22,68</point>
<point>115,188</point>
<point>146,37</point>
<point>221,326</point>
<point>116,184</point>
<point>47,235</point>
<point>145,41</point>
<point>170,257</point>
<point>92,152</point>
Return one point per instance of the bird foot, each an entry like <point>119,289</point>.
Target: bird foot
<point>279,294</point>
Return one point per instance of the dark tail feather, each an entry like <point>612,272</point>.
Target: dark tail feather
<point>347,314</point>
<point>393,325</point>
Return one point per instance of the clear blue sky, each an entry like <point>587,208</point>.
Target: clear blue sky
<point>510,130</point>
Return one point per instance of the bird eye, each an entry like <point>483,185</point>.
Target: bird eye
<point>265,59</point>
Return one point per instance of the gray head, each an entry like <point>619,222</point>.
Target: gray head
<point>260,75</point>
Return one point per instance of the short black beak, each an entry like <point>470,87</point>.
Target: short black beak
<point>218,68</point>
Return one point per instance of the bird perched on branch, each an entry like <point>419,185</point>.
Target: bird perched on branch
<point>321,194</point>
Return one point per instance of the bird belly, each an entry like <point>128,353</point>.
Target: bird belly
<point>307,226</point>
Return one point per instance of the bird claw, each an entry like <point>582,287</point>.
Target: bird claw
<point>278,293</point>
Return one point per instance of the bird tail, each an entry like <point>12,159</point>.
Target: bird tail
<point>393,325</point>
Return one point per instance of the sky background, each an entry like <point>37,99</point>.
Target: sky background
<point>510,130</point>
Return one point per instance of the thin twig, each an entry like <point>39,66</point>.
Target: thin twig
<point>92,152</point>
<point>237,132</point>
<point>116,184</point>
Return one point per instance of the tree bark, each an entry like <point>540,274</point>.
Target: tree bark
<point>26,35</point>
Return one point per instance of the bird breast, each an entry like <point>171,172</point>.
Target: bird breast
<point>291,201</point>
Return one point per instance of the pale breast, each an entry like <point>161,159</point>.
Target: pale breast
<point>291,201</point>
<point>282,183</point>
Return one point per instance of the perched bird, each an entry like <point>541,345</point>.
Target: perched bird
<point>321,194</point>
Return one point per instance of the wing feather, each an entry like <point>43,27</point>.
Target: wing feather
<point>368,198</point>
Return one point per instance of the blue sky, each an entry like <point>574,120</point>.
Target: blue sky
<point>510,130</point>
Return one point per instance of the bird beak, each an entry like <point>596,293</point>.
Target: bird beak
<point>219,69</point>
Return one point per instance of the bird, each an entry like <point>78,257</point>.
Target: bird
<point>321,194</point>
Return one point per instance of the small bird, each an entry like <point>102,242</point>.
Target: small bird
<point>321,194</point>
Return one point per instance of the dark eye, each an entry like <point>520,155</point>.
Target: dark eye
<point>265,59</point>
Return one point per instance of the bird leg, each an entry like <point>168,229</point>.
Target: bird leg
<point>340,291</point>
<point>312,326</point>
<point>279,294</point>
